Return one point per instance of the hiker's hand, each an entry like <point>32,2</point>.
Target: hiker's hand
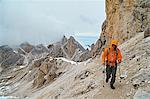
<point>104,64</point>
<point>119,61</point>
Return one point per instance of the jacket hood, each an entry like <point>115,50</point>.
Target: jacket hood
<point>115,42</point>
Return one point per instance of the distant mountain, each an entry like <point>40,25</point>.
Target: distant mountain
<point>26,47</point>
<point>8,57</point>
<point>68,48</point>
<point>39,49</point>
<point>25,53</point>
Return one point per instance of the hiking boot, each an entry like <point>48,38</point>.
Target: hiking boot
<point>112,87</point>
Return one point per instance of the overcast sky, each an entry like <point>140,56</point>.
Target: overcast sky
<point>46,21</point>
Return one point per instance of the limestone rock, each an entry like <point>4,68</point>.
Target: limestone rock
<point>5,52</point>
<point>96,49</point>
<point>141,94</point>
<point>39,49</point>
<point>21,51</point>
<point>37,63</point>
<point>46,72</point>
<point>141,78</point>
<point>8,57</point>
<point>83,56</point>
<point>26,47</point>
<point>147,32</point>
<point>71,46</point>
<point>67,48</point>
<point>20,61</point>
<point>125,18</point>
<point>40,79</point>
<point>64,40</point>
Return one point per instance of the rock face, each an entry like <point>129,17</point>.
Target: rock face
<point>71,46</point>
<point>82,56</point>
<point>31,52</point>
<point>26,47</point>
<point>20,56</point>
<point>56,50</point>
<point>21,51</point>
<point>141,94</point>
<point>68,48</point>
<point>8,57</point>
<point>96,49</point>
<point>147,32</point>
<point>39,49</point>
<point>48,71</point>
<point>125,18</point>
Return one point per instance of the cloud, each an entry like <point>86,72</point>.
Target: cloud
<point>88,20</point>
<point>87,34</point>
<point>46,21</point>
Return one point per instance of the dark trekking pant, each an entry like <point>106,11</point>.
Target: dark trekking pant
<point>111,72</point>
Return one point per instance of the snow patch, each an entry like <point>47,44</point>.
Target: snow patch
<point>22,67</point>
<point>88,61</point>
<point>68,61</point>
<point>8,97</point>
<point>15,51</point>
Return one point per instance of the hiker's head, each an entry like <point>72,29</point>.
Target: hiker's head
<point>114,46</point>
<point>114,43</point>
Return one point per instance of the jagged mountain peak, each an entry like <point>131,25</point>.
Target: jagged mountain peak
<point>27,47</point>
<point>64,39</point>
<point>68,48</point>
<point>72,38</point>
<point>5,48</point>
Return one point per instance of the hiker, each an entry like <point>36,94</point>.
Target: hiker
<point>111,57</point>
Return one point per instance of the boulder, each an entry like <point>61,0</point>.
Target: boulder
<point>47,68</point>
<point>141,94</point>
<point>39,81</point>
<point>37,63</point>
<point>147,33</point>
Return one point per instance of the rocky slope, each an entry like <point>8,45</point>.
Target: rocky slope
<point>26,53</point>
<point>48,78</point>
<point>54,75</point>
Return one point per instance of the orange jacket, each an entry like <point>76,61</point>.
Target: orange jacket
<point>110,54</point>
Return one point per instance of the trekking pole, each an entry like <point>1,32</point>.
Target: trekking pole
<point>103,76</point>
<point>119,73</point>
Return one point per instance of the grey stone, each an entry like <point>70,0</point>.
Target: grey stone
<point>26,47</point>
<point>147,32</point>
<point>8,57</point>
<point>39,49</point>
<point>140,94</point>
